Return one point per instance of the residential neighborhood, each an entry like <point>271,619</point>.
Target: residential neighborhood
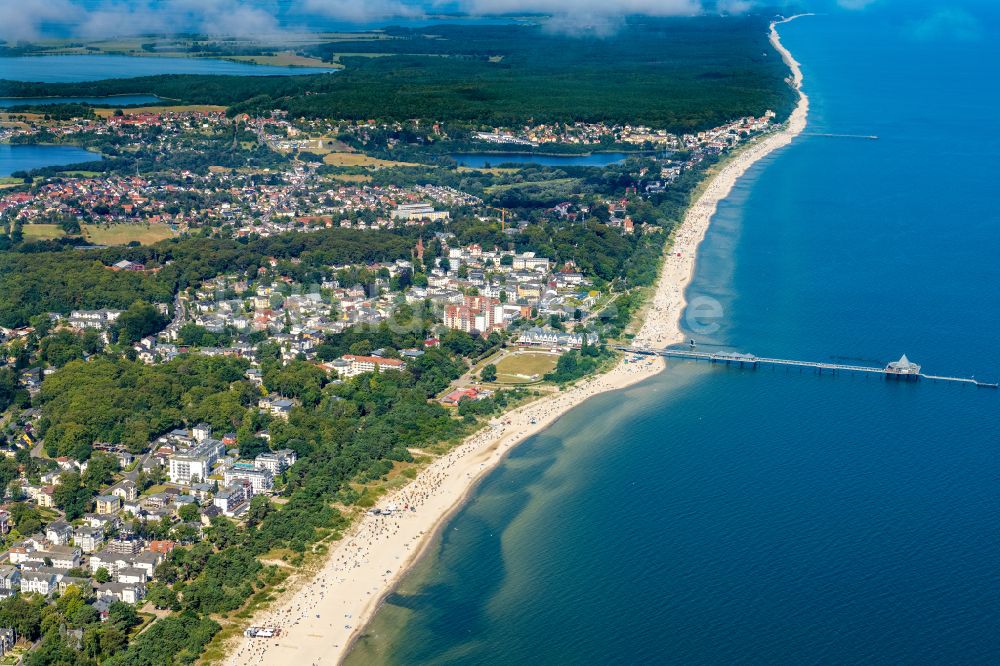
<point>297,195</point>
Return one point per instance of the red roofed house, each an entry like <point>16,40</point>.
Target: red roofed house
<point>162,546</point>
<point>456,396</point>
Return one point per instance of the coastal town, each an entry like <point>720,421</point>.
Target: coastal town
<point>143,502</point>
<point>108,519</point>
<point>303,336</point>
<point>291,194</point>
<point>350,333</point>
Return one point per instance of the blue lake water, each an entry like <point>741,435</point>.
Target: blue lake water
<point>26,157</point>
<point>479,160</point>
<point>115,100</point>
<point>75,68</point>
<point>712,515</point>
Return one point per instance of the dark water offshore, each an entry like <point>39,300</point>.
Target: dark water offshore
<point>713,515</point>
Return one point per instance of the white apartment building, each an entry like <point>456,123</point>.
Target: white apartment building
<point>362,364</point>
<point>260,480</point>
<point>196,465</point>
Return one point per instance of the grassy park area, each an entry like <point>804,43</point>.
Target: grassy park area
<point>525,367</point>
<point>42,231</point>
<point>123,234</point>
<point>343,159</point>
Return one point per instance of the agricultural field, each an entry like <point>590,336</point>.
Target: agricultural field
<point>525,367</point>
<point>123,234</point>
<point>285,59</point>
<point>349,178</point>
<point>361,160</point>
<point>496,171</point>
<point>189,47</point>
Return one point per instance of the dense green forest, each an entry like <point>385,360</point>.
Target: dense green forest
<point>127,402</point>
<point>679,73</point>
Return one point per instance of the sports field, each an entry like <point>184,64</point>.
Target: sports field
<point>525,367</point>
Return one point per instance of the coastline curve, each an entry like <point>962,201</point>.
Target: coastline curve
<point>322,619</point>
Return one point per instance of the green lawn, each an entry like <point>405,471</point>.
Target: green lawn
<point>42,231</point>
<point>122,234</point>
<point>525,367</point>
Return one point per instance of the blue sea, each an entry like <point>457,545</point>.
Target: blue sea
<point>716,516</point>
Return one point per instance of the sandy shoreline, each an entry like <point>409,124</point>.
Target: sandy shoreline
<point>321,619</point>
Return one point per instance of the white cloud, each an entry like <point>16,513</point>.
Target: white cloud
<point>585,17</point>
<point>734,6</point>
<point>588,7</point>
<point>26,19</point>
<point>359,11</point>
<point>229,17</point>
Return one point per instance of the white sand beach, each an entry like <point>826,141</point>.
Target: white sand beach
<point>319,620</point>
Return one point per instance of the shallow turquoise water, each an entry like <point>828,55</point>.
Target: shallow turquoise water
<point>725,516</point>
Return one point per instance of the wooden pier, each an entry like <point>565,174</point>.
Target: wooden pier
<point>902,370</point>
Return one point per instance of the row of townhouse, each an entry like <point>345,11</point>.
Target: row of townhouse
<point>43,581</point>
<point>101,320</point>
<point>548,337</point>
<point>33,552</point>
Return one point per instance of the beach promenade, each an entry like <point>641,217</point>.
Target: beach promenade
<point>320,617</point>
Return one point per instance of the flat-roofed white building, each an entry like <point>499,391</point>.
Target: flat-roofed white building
<point>260,480</point>
<point>362,364</point>
<point>195,466</point>
<point>418,211</point>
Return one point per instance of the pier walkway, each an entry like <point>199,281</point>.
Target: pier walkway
<point>903,369</point>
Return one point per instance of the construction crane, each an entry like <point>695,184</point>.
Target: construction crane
<point>503,217</point>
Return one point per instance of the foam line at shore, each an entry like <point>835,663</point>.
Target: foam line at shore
<point>320,619</point>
